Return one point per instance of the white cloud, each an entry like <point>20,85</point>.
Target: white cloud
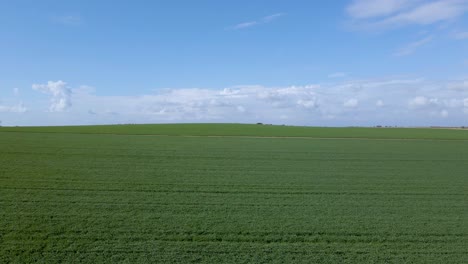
<point>419,101</point>
<point>309,104</point>
<point>337,75</point>
<point>16,91</point>
<point>395,101</point>
<point>18,108</point>
<point>461,35</point>
<point>245,25</point>
<point>272,17</point>
<point>60,95</point>
<point>443,106</point>
<point>373,8</point>
<point>444,113</point>
<point>459,85</point>
<point>413,46</point>
<point>263,20</point>
<point>452,102</point>
<point>423,102</point>
<point>465,105</point>
<point>69,20</point>
<point>381,14</point>
<point>429,13</point>
<point>351,103</point>
<point>240,108</point>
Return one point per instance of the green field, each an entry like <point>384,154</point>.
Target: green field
<point>144,193</point>
<point>251,130</point>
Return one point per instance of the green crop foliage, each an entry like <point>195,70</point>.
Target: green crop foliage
<point>332,195</point>
<point>251,130</point>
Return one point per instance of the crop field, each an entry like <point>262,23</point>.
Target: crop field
<point>233,194</point>
<point>253,130</point>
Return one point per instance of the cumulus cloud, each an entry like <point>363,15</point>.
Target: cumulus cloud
<point>17,108</point>
<point>459,85</point>
<point>439,106</point>
<point>422,101</point>
<point>393,101</point>
<point>59,92</point>
<point>351,103</point>
<point>307,103</point>
<point>465,105</point>
<point>444,113</point>
<point>418,101</point>
<point>411,101</point>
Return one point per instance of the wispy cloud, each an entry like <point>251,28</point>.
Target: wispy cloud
<point>413,46</point>
<point>361,9</point>
<point>263,20</point>
<point>69,20</point>
<point>384,14</point>
<point>461,35</point>
<point>338,75</point>
<point>271,17</point>
<point>245,25</point>
<point>429,13</point>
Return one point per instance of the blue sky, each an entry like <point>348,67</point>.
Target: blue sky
<point>332,63</point>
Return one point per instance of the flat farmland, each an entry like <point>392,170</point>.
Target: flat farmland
<point>158,194</point>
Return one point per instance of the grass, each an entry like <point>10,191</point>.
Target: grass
<point>251,130</point>
<point>71,194</point>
